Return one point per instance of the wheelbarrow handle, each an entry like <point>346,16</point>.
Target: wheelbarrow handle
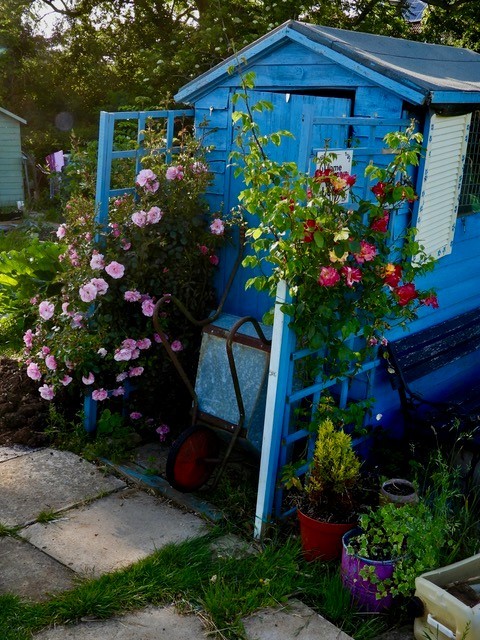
<point>236,384</point>
<point>172,355</point>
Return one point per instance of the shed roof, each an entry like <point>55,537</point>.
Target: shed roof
<point>422,73</point>
<point>12,115</point>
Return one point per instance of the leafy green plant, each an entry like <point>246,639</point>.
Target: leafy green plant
<point>26,272</point>
<point>419,537</point>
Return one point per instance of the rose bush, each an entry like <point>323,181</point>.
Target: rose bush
<point>97,335</point>
<point>347,274</point>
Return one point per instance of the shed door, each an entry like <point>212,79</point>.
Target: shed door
<point>294,113</point>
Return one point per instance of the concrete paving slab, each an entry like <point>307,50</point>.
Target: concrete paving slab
<point>296,620</point>
<point>113,532</point>
<point>7,453</point>
<point>152,623</point>
<point>29,573</point>
<point>152,457</point>
<point>48,480</point>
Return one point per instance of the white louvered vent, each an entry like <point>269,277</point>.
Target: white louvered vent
<point>442,180</point>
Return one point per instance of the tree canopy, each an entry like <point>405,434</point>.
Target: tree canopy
<point>77,57</point>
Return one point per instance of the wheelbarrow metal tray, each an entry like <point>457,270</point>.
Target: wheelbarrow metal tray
<point>214,385</point>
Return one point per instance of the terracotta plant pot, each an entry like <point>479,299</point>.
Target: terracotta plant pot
<point>321,540</point>
<point>364,592</point>
<point>398,491</point>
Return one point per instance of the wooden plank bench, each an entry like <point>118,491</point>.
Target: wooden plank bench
<point>446,410</point>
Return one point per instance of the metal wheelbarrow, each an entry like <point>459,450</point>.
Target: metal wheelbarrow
<point>228,398</point>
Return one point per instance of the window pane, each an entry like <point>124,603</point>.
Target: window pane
<point>470,194</point>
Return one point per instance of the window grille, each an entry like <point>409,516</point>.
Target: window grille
<point>470,194</point>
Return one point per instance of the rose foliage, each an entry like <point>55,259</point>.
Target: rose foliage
<point>347,273</point>
<point>98,332</point>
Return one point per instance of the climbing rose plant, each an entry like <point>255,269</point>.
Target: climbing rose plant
<point>98,333</point>
<point>346,271</point>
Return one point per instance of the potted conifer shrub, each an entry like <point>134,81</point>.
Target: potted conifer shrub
<point>327,500</point>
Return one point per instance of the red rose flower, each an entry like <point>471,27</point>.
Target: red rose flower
<point>379,190</point>
<point>406,293</point>
<point>393,275</point>
<point>349,179</point>
<point>431,301</point>
<point>309,228</point>
<point>381,224</point>
<point>322,175</point>
<point>351,275</point>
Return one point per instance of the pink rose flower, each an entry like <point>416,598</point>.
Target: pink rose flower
<point>328,277</point>
<point>203,249</point>
<point>213,260</point>
<point>97,261</point>
<point>119,391</point>
<point>101,285</point>
<point>217,227</point>
<point>45,351</point>
<point>102,352</point>
<point>115,270</point>
<point>154,215</point>
<point>121,376</point>
<point>148,307</point>
<point>90,379</point>
<point>163,430</point>
<point>367,252</point>
<point>51,363</point>
<point>126,246</point>
<point>145,175</point>
<point>132,296</point>
<point>135,371</point>
<point>175,173</point>
<point>66,380</point>
<point>129,343</point>
<point>176,346</point>
<point>139,218</point>
<point>33,371</point>
<point>144,343</point>
<point>122,355</point>
<point>77,321</point>
<point>46,310</point>
<point>99,395</point>
<point>28,338</point>
<point>65,310</point>
<point>88,292</point>
<point>135,415</point>
<point>199,167</point>
<point>61,232</point>
<point>46,392</point>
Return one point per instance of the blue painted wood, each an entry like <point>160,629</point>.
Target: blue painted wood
<point>107,153</point>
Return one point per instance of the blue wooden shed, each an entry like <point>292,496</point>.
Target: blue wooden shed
<point>11,163</point>
<point>350,89</point>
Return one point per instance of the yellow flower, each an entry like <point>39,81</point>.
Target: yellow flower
<point>334,258</point>
<point>344,234</point>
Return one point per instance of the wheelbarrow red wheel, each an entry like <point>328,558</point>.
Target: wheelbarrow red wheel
<point>192,458</point>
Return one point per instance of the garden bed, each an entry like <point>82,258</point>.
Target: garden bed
<point>23,415</point>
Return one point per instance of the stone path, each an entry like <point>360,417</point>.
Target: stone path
<point>94,524</point>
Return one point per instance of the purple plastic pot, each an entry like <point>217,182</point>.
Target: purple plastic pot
<point>364,593</point>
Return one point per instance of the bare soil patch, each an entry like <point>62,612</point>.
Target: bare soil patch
<point>23,414</point>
